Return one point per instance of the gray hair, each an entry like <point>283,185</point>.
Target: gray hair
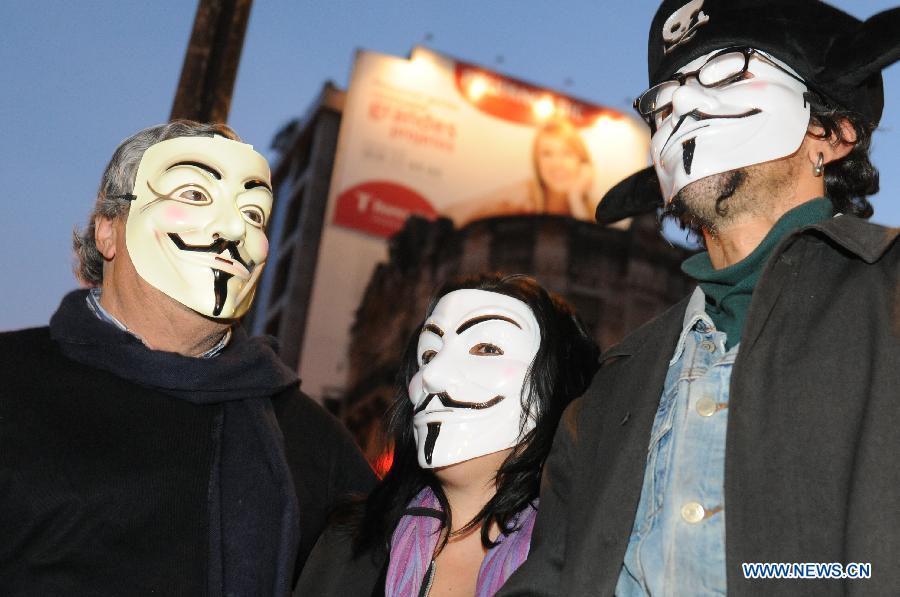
<point>118,180</point>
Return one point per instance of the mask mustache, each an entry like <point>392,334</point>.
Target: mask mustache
<point>698,116</point>
<point>446,400</point>
<point>216,247</point>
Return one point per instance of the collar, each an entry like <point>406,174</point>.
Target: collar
<point>864,239</point>
<point>246,368</point>
<point>93,302</point>
<point>718,283</point>
<point>860,237</point>
<point>694,316</point>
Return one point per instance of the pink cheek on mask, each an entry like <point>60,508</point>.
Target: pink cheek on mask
<point>259,247</point>
<point>510,373</point>
<point>174,215</point>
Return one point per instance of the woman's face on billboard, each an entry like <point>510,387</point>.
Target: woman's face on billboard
<point>558,163</point>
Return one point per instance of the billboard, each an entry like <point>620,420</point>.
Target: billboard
<point>433,136</point>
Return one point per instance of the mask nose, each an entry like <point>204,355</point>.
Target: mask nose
<point>229,225</point>
<point>439,376</point>
<point>689,97</point>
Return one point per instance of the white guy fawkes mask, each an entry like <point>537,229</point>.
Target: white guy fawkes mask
<point>196,230</point>
<point>710,130</point>
<point>474,353</point>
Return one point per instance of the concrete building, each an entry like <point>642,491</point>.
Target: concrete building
<point>301,177</point>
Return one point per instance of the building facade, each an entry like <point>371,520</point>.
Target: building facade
<point>301,178</point>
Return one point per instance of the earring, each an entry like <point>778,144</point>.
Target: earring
<point>819,168</point>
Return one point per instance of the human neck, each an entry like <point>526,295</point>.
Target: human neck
<point>160,322</point>
<point>734,240</point>
<point>470,485</point>
<point>555,202</point>
<point>731,245</point>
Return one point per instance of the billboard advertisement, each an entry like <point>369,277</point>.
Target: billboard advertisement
<point>433,136</point>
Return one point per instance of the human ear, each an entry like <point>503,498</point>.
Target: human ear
<point>832,147</point>
<point>105,236</point>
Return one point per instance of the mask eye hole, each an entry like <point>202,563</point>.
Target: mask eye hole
<point>194,196</point>
<point>485,349</point>
<point>427,356</point>
<point>660,117</point>
<point>254,215</point>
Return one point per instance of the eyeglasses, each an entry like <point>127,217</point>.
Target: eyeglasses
<point>722,68</point>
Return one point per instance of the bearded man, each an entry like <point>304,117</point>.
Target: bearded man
<point>756,421</point>
<point>148,446</point>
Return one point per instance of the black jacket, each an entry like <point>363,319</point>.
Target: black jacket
<point>332,571</point>
<point>812,470</point>
<point>104,483</point>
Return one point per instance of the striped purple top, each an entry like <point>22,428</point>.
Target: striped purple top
<point>416,537</point>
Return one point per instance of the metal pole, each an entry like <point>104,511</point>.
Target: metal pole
<point>211,62</point>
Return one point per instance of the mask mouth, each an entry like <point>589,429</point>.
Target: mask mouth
<point>235,265</point>
<point>445,399</point>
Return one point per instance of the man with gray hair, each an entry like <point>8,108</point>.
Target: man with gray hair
<point>147,444</point>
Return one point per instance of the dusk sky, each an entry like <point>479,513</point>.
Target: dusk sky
<point>79,77</point>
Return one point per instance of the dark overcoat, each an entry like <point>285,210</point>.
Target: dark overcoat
<point>812,471</point>
<point>105,483</point>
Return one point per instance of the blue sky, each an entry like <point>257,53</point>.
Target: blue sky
<point>78,77</point>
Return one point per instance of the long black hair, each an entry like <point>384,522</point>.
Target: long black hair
<point>561,370</point>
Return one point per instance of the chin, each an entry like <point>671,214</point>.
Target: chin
<point>708,188</point>
<point>708,204</point>
<point>462,466</point>
<point>560,188</point>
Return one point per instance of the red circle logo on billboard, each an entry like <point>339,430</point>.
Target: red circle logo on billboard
<point>380,207</point>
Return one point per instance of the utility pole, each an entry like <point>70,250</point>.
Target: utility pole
<point>211,62</point>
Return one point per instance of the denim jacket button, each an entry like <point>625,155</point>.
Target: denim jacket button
<point>692,512</point>
<point>706,407</point>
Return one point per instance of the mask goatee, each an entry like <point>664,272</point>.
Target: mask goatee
<point>220,288</point>
<point>687,153</point>
<point>434,430</point>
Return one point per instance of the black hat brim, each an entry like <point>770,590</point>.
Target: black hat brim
<point>636,195</point>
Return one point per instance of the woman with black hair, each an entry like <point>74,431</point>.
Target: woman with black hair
<point>480,391</point>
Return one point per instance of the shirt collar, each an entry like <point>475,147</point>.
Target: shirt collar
<point>93,303</point>
<point>694,316</point>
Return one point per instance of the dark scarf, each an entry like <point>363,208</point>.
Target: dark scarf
<point>254,516</point>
